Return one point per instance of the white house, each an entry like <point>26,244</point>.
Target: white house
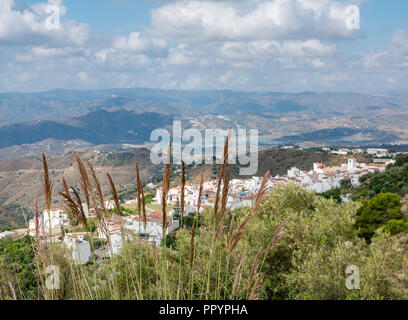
<point>6,235</point>
<point>128,228</point>
<point>52,222</point>
<point>378,152</point>
<point>80,249</point>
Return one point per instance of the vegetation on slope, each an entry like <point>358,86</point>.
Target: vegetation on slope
<point>383,197</point>
<point>317,241</point>
<point>18,269</point>
<point>277,161</point>
<point>393,180</point>
<point>292,244</point>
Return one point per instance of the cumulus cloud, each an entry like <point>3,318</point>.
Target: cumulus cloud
<point>395,57</point>
<point>196,21</point>
<point>400,43</point>
<point>264,49</point>
<point>27,25</point>
<point>275,45</point>
<point>140,43</point>
<point>43,53</point>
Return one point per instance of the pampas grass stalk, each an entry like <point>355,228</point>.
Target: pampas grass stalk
<point>141,206</point>
<point>81,213</point>
<point>74,205</point>
<point>183,186</point>
<point>46,184</point>
<point>98,189</point>
<point>221,175</point>
<point>37,222</point>
<point>237,278</point>
<point>114,194</point>
<point>84,179</point>
<point>100,215</point>
<point>165,189</point>
<point>234,238</point>
<point>193,229</point>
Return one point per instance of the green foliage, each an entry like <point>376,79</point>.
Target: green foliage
<point>169,241</point>
<point>92,224</point>
<point>18,268</point>
<point>318,244</point>
<point>393,180</point>
<point>308,261</point>
<point>346,186</point>
<point>149,198</point>
<point>125,212</point>
<point>396,226</point>
<point>333,194</point>
<point>95,243</point>
<point>401,160</point>
<point>189,219</point>
<point>177,211</point>
<point>377,212</point>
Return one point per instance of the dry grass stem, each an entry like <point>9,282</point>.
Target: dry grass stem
<point>140,196</point>
<point>97,187</point>
<point>183,186</point>
<point>222,170</point>
<point>46,183</point>
<point>193,229</point>
<point>237,277</point>
<point>84,179</point>
<point>114,194</point>
<point>165,189</point>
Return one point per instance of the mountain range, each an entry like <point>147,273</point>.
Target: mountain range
<point>116,117</point>
<point>98,127</point>
<point>56,104</point>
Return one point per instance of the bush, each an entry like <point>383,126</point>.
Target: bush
<point>376,213</point>
<point>17,266</point>
<point>333,194</point>
<point>396,226</point>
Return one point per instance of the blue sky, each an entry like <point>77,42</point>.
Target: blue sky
<point>119,16</point>
<point>269,45</point>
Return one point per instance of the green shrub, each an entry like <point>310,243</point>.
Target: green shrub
<point>396,226</point>
<point>376,213</point>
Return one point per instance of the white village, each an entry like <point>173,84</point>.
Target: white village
<point>132,228</point>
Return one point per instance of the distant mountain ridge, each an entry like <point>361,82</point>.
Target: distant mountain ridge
<point>55,104</point>
<point>309,119</point>
<point>341,135</point>
<point>99,127</point>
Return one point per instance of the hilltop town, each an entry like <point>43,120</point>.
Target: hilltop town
<point>55,225</point>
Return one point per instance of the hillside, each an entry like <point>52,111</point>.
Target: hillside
<point>17,107</point>
<point>307,118</point>
<point>99,127</point>
<point>393,180</point>
<point>11,217</point>
<point>278,161</point>
<point>20,179</point>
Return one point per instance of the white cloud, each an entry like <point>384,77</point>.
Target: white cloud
<point>276,45</point>
<point>28,26</point>
<point>83,76</point>
<point>200,21</point>
<point>400,43</point>
<point>396,56</point>
<point>44,53</point>
<point>139,43</point>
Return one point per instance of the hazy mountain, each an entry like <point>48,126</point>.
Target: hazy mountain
<point>53,105</point>
<point>99,127</point>
<point>342,135</point>
<point>306,118</point>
